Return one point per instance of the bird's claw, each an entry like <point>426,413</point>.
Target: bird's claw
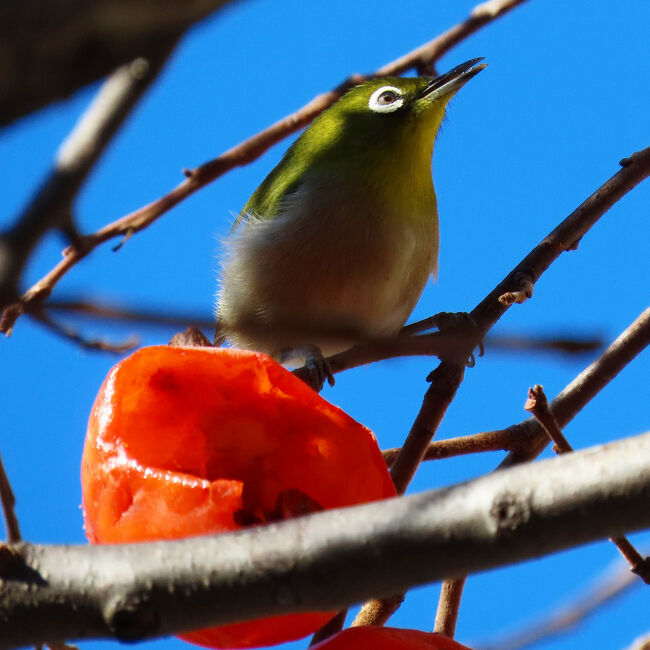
<point>462,324</point>
<point>317,368</point>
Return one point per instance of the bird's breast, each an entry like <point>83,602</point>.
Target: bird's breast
<point>332,260</point>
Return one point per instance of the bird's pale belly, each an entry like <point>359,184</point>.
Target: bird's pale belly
<point>286,287</point>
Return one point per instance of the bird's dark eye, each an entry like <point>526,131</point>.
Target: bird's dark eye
<point>387,97</point>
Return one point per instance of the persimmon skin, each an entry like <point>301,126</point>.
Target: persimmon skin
<point>193,441</point>
<point>387,638</point>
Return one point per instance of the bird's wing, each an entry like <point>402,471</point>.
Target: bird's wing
<point>266,202</point>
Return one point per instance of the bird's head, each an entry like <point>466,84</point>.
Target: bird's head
<point>390,110</point>
<point>381,131</point>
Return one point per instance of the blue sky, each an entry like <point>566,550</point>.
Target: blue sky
<point>565,97</point>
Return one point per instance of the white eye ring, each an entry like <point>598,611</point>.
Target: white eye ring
<point>386,99</point>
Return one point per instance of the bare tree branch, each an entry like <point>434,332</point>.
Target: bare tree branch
<point>502,440</point>
<point>65,332</point>
<point>51,49</point>
<point>573,398</point>
<point>136,591</point>
<point>583,388</point>
<point>537,404</point>
<point>560,344</point>
<point>248,151</point>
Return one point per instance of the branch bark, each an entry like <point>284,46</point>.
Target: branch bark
<point>322,562</point>
<point>50,49</point>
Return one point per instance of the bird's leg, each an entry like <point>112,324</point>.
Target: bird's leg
<point>459,324</point>
<point>317,366</point>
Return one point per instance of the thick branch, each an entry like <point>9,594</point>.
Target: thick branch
<point>51,49</point>
<point>322,561</point>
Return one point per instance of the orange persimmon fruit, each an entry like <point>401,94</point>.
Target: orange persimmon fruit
<point>387,638</point>
<point>192,441</point>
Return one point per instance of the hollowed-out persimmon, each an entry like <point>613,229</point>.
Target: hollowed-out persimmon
<point>192,441</point>
<point>387,638</point>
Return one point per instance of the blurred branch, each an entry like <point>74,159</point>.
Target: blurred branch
<point>8,507</point>
<point>65,332</point>
<point>55,48</point>
<point>52,204</point>
<point>610,585</point>
<point>136,591</point>
<point>583,389</point>
<point>537,404</point>
<point>564,345</point>
<point>246,152</point>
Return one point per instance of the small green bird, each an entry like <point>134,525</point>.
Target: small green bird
<point>338,242</point>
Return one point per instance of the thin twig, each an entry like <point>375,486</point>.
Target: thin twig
<point>501,440</point>
<point>583,388</point>
<point>537,404</point>
<point>402,346</point>
<point>329,629</point>
<point>248,151</point>
<point>377,612</point>
<point>8,507</point>
<point>451,593</point>
<point>65,332</point>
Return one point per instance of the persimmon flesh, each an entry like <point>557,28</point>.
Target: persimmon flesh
<point>192,441</point>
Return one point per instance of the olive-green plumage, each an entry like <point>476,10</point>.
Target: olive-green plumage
<point>338,241</point>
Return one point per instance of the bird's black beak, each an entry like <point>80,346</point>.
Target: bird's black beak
<point>451,82</point>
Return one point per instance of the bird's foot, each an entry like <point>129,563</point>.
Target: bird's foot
<point>466,333</point>
<point>317,368</point>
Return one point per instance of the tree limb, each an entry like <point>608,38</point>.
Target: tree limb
<point>321,562</point>
<point>50,49</point>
